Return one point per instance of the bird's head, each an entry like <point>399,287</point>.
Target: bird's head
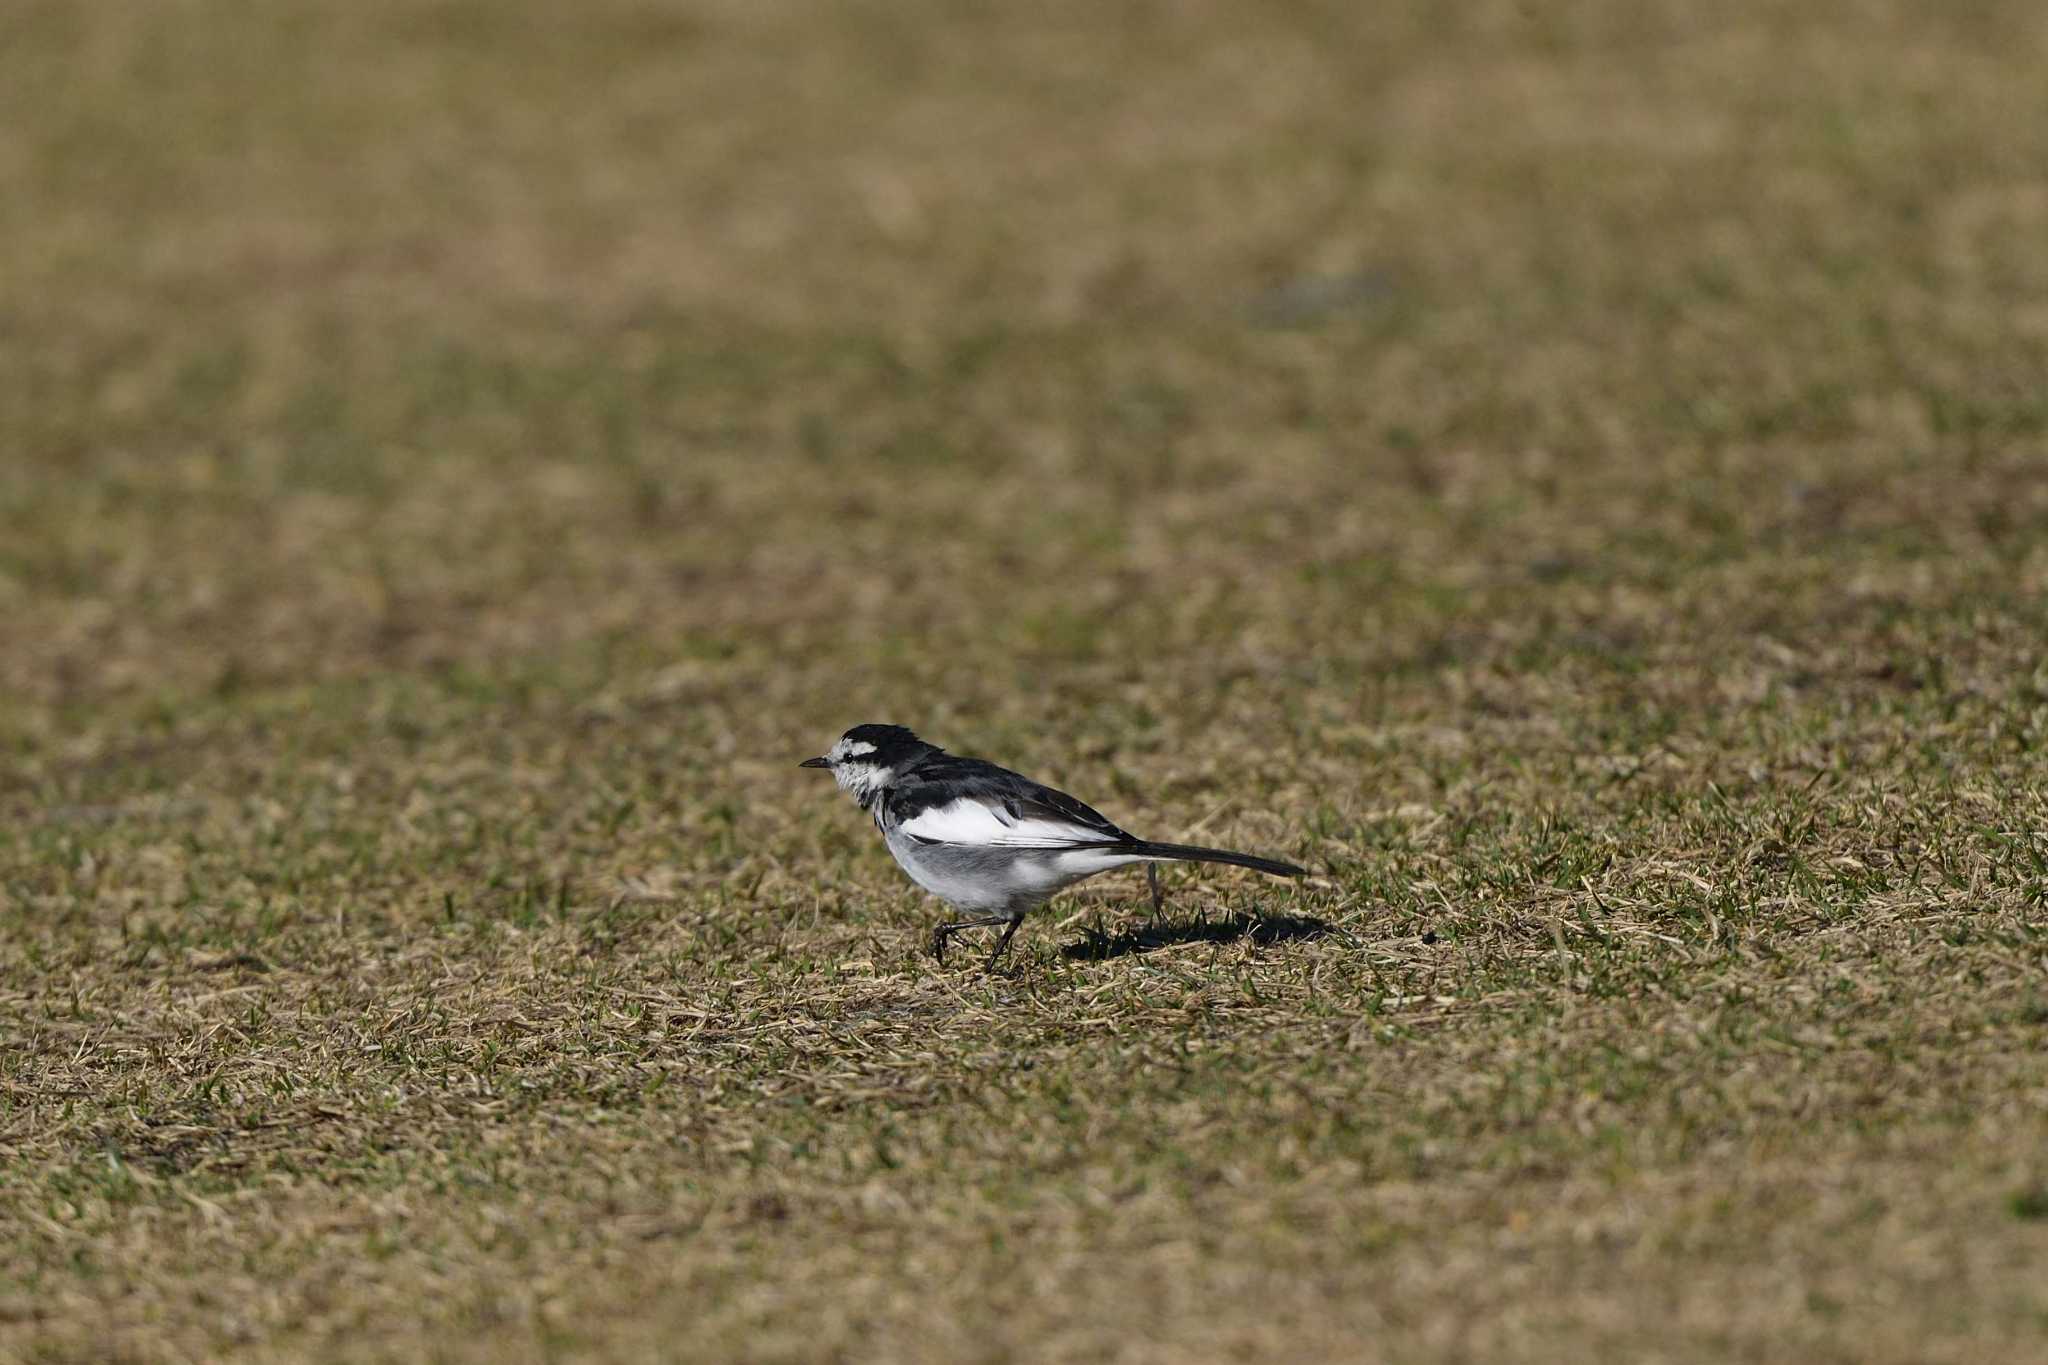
<point>867,758</point>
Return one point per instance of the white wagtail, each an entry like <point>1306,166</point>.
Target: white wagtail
<point>985,839</point>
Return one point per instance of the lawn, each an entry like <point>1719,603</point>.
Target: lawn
<point>1574,476</point>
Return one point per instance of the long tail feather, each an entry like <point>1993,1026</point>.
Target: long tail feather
<point>1188,853</point>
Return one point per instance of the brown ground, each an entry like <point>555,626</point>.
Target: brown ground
<point>1576,475</point>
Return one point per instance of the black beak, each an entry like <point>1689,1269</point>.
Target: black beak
<point>815,763</point>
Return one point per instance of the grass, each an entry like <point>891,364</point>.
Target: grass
<point>1575,479</point>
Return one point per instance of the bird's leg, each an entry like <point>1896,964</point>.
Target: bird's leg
<point>946,931</point>
<point>1152,880</point>
<point>1002,942</point>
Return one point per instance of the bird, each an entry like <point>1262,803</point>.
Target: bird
<point>988,841</point>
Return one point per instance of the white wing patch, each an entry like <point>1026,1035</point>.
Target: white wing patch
<point>980,824</point>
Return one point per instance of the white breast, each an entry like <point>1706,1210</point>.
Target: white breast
<point>990,877</point>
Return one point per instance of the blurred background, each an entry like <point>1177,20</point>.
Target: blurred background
<point>967,347</point>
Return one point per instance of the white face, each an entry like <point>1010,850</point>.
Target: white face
<point>853,773</point>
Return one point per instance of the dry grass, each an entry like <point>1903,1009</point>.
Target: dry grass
<point>1578,477</point>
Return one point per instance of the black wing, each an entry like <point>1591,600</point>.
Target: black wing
<point>965,800</point>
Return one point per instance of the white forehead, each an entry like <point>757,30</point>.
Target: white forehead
<point>851,748</point>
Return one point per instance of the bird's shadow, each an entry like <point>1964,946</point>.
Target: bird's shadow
<point>1260,929</point>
